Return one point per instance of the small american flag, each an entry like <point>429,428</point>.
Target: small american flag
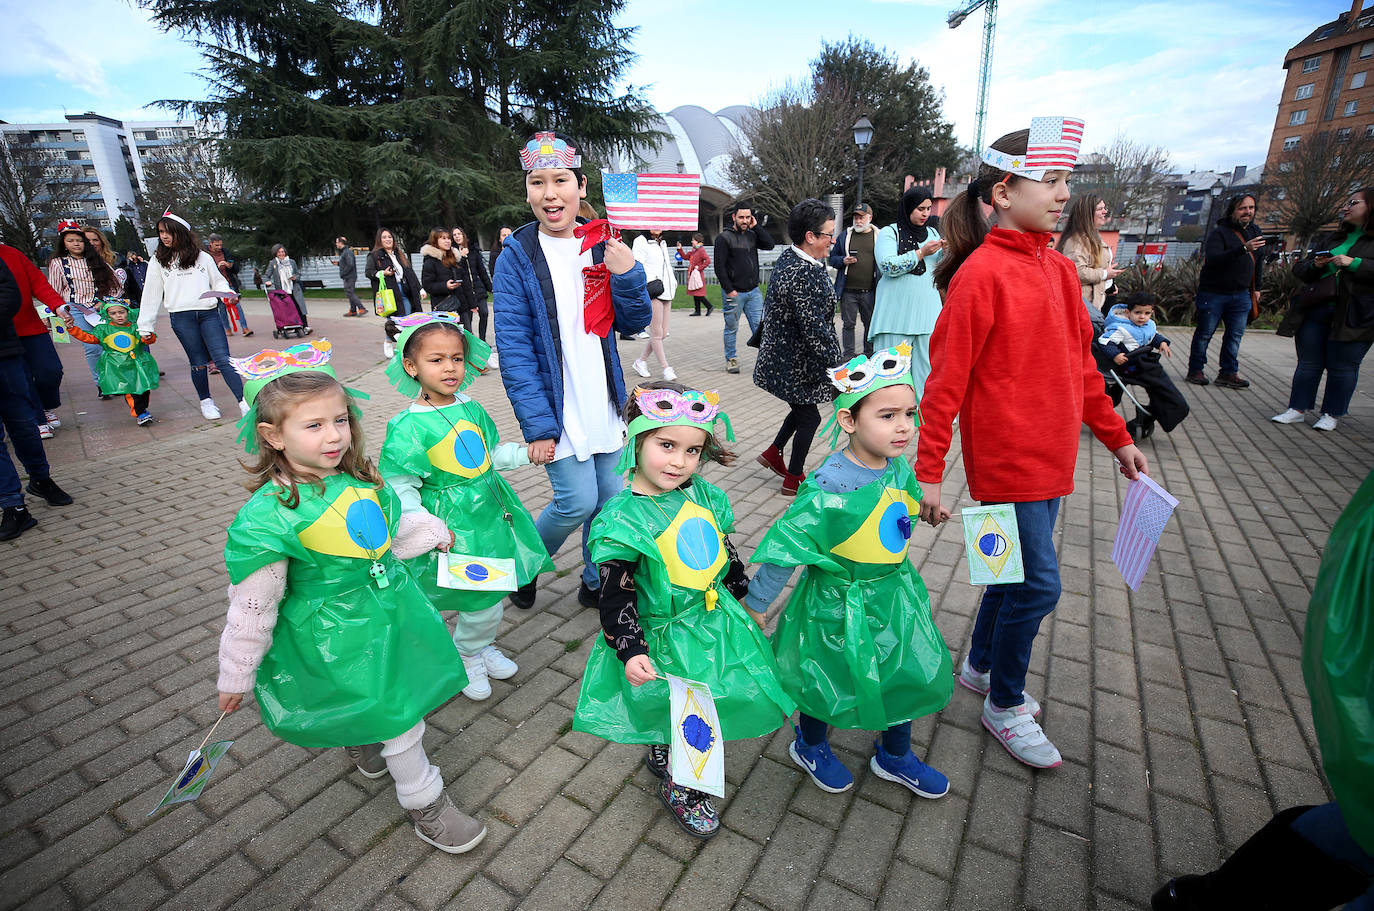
<point>1054,142</point>
<point>664,202</point>
<point>1143,517</point>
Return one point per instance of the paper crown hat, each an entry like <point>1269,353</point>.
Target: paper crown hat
<point>267,365</point>
<point>668,408</point>
<point>864,375</point>
<point>68,226</point>
<point>176,218</point>
<point>103,304</point>
<point>1053,146</point>
<point>479,352</point>
<point>547,151</point>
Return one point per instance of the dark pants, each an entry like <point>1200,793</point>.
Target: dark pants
<point>202,337</point>
<point>1318,353</point>
<point>1009,616</point>
<point>1167,404</point>
<point>853,306</point>
<point>1214,308</point>
<point>799,426</point>
<point>354,304</point>
<point>699,302</point>
<point>896,739</point>
<point>16,419</point>
<point>480,308</point>
<point>138,402</point>
<point>45,374</point>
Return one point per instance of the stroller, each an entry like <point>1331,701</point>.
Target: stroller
<point>290,323</point>
<point>1167,405</point>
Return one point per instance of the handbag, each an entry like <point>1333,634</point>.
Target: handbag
<point>694,280</point>
<point>655,289</point>
<point>386,298</point>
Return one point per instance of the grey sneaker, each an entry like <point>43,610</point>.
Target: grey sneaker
<point>448,828</point>
<point>981,681</point>
<point>1017,730</point>
<point>731,365</point>
<point>369,759</point>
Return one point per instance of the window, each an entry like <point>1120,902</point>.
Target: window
<point>1343,134</point>
<point>1367,50</point>
<point>1350,108</point>
<point>1285,166</point>
<point>1304,92</point>
<point>1369,131</point>
<point>1326,32</point>
<point>1297,117</point>
<point>1357,81</point>
<point>1364,22</point>
<point>1291,143</point>
<point>1311,64</point>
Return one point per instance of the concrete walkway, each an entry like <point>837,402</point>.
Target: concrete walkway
<point>1180,708</point>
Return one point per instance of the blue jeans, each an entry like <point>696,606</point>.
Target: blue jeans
<point>1318,353</point>
<point>224,315</point>
<point>751,302</point>
<point>1213,308</point>
<point>202,336</point>
<point>1325,827</point>
<point>16,417</point>
<point>92,352</point>
<point>579,490</point>
<point>1009,616</point>
<point>45,374</point>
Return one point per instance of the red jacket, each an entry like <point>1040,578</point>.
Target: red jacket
<point>1010,356</point>
<point>697,259</point>
<point>32,283</point>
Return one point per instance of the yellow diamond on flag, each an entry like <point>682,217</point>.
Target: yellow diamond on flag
<point>994,547</point>
<point>696,733</point>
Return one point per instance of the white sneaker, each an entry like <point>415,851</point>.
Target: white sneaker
<point>388,349</point>
<point>669,374</point>
<point>498,666</point>
<point>1017,730</point>
<point>641,336</point>
<point>1325,422</point>
<point>45,431</point>
<point>1291,416</point>
<point>50,418</point>
<point>640,367</point>
<point>208,409</point>
<point>981,682</point>
<point>243,407</point>
<point>478,687</point>
<point>493,361</point>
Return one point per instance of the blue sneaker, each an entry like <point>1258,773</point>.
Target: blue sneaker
<point>825,770</point>
<point>908,771</point>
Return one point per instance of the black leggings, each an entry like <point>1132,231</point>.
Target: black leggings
<point>800,426</point>
<point>138,402</point>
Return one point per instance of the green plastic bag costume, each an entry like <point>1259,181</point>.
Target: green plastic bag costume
<point>126,365</point>
<point>680,547</point>
<point>450,448</point>
<point>1338,662</point>
<point>856,645</point>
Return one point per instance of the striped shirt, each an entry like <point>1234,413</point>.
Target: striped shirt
<point>81,288</point>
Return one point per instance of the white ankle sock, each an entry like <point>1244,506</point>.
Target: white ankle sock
<point>418,783</point>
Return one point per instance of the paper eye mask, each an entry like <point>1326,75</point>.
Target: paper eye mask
<point>861,372</point>
<point>665,405</point>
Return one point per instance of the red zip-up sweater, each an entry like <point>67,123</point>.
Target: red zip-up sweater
<point>32,283</point>
<point>1010,356</point>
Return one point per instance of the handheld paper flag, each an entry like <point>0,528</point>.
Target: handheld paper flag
<point>1143,517</point>
<point>696,757</point>
<point>993,543</point>
<point>478,574</point>
<point>194,776</point>
<point>657,202</point>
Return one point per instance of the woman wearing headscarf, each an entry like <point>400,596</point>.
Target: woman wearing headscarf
<point>906,305</point>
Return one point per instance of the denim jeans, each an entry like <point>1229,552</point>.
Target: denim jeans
<point>45,374</point>
<point>1232,308</point>
<point>1318,353</point>
<point>1009,616</point>
<point>853,305</point>
<point>579,491</point>
<point>202,336</point>
<point>92,352</point>
<point>1325,828</point>
<point>751,302</point>
<point>224,315</point>
<point>16,417</point>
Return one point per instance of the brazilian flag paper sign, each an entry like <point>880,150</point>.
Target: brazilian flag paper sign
<point>479,574</point>
<point>122,340</point>
<point>696,756</point>
<point>194,775</point>
<point>692,547</point>
<point>462,451</point>
<point>884,535</point>
<point>353,525</point>
<point>993,544</point>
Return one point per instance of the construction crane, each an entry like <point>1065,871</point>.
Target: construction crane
<point>956,19</point>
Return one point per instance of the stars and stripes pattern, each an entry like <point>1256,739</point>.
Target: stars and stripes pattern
<point>1143,516</point>
<point>1054,143</point>
<point>665,202</point>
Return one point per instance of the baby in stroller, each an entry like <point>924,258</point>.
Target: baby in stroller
<point>1130,346</point>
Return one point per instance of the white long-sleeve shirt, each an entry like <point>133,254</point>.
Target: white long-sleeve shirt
<point>657,261</point>
<point>175,289</point>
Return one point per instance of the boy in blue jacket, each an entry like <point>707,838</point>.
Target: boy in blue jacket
<point>557,342</point>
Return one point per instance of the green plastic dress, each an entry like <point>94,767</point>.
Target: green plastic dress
<point>856,645</point>
<point>450,449</point>
<point>126,365</point>
<point>1338,662</point>
<point>350,663</point>
<point>680,547</point>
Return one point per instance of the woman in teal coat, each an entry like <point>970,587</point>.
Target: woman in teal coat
<point>907,304</point>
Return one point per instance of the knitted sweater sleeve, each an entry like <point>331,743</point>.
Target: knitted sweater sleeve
<point>418,533</point>
<point>248,629</point>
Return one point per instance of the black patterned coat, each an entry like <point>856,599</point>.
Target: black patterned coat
<point>799,343</point>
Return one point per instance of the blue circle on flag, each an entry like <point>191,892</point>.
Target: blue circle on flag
<point>893,531</point>
<point>697,733</point>
<point>121,341</point>
<point>476,572</point>
<point>697,543</point>
<point>469,449</point>
<point>366,524</point>
<point>992,544</point>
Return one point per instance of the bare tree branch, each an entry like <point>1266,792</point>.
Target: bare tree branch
<point>1307,185</point>
<point>1130,176</point>
<point>37,190</point>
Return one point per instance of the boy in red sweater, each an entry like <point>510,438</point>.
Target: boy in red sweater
<point>1010,357</point>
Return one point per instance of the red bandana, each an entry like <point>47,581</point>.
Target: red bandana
<point>598,314</point>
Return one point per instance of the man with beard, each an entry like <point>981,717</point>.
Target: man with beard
<point>856,278</point>
<point>737,269</point>
<point>1227,291</point>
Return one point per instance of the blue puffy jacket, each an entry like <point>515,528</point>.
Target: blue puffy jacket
<point>526,322</point>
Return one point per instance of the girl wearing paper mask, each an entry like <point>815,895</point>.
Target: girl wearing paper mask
<point>670,580</point>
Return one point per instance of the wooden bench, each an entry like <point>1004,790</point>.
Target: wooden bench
<point>315,283</point>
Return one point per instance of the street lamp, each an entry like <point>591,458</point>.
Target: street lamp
<point>1216,192</point>
<point>863,135</point>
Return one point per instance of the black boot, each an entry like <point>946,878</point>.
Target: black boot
<point>523,597</point>
<point>15,522</point>
<point>1275,870</point>
<point>709,308</point>
<point>588,596</point>
<point>48,490</point>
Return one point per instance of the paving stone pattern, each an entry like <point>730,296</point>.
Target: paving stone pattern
<point>1180,709</point>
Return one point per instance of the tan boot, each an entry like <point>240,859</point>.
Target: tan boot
<point>448,828</point>
<point>368,759</point>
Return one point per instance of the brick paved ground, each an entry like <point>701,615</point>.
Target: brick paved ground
<point>1180,709</point>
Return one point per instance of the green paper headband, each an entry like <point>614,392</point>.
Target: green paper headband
<point>668,408</point>
<point>103,305</point>
<point>864,375</point>
<point>268,365</point>
<point>479,352</point>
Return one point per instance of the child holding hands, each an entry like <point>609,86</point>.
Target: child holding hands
<point>126,365</point>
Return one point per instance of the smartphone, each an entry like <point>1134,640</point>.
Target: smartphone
<point>1321,253</point>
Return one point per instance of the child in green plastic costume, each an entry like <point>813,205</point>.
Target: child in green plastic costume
<point>338,643</point>
<point>856,645</point>
<point>441,456</point>
<point>669,582</point>
<point>126,366</point>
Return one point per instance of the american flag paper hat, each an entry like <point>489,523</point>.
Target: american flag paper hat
<point>1053,146</point>
<point>547,151</point>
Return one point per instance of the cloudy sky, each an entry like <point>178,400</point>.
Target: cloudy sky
<point>1201,77</point>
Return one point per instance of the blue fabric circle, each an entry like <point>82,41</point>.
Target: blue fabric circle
<point>698,545</point>
<point>366,524</point>
<point>697,733</point>
<point>469,449</point>
<point>893,532</point>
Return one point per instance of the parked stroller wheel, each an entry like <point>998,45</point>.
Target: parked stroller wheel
<point>276,333</point>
